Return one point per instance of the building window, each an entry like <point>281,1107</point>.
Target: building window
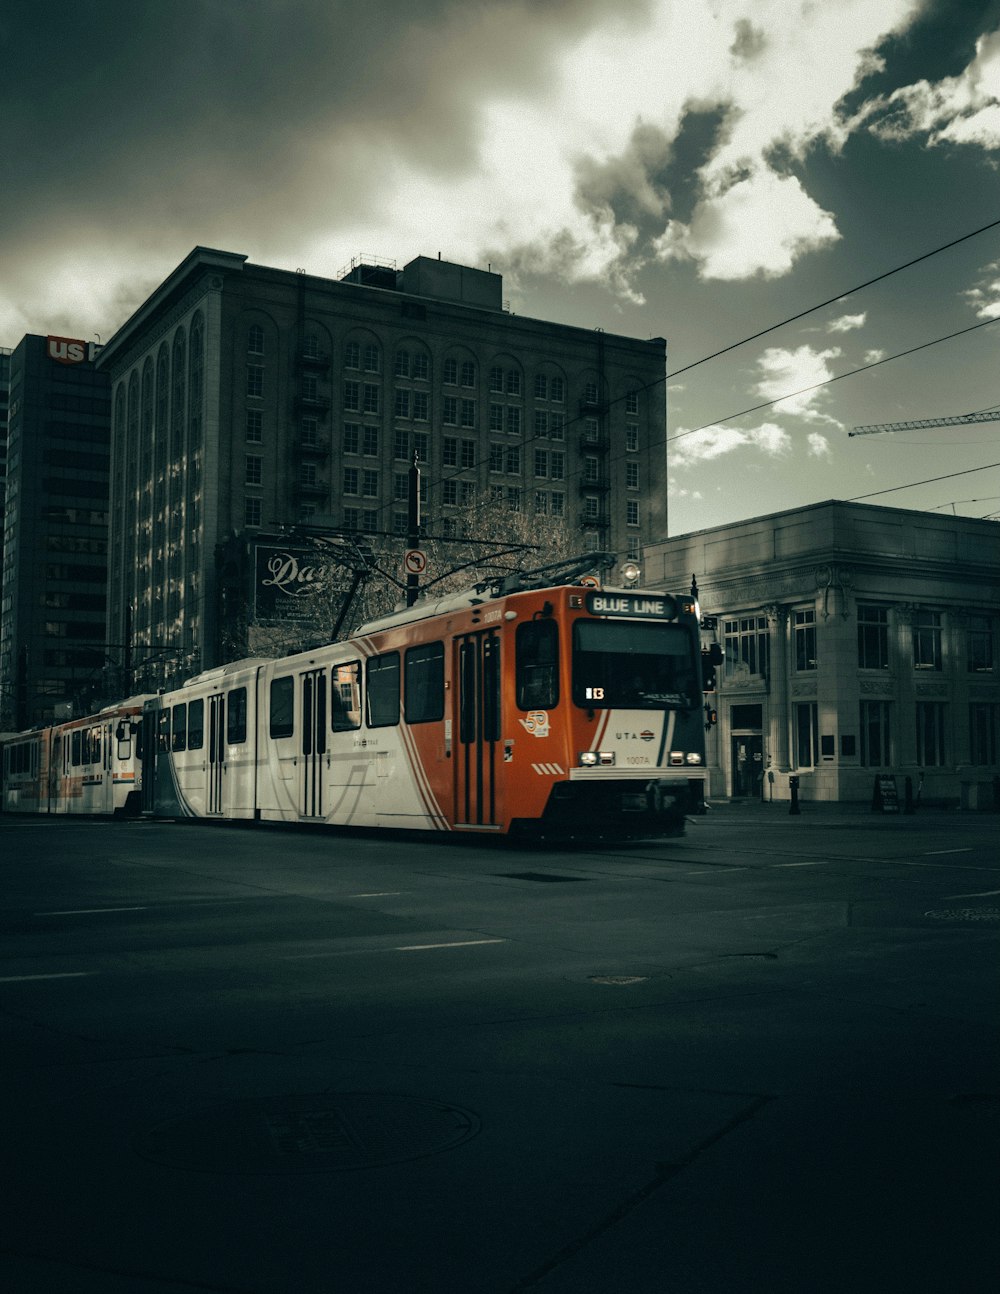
<point>541,462</point>
<point>631,437</point>
<point>541,501</point>
<point>591,507</point>
<point>352,437</point>
<point>466,492</point>
<point>371,398</point>
<point>449,372</point>
<point>468,453</point>
<point>514,498</point>
<point>352,355</point>
<point>632,402</point>
<point>468,413</point>
<point>927,640</point>
<point>310,433</point>
<point>497,453</point>
<point>496,417</point>
<point>254,469</point>
<point>350,480</point>
<point>631,512</point>
<point>401,445</point>
<point>420,406</point>
<point>873,637</point>
<point>746,640</point>
<point>557,390</point>
<point>468,373</point>
<point>373,361</point>
<point>449,451</point>
<point>983,732</point>
<point>255,381</point>
<point>634,544</point>
<point>979,640</point>
<point>369,442</point>
<point>369,520</point>
<point>558,502</point>
<point>805,639</point>
<point>806,735</point>
<point>352,519</point>
<point>930,734</point>
<point>557,426</point>
<point>251,512</point>
<point>400,487</point>
<point>541,422</point>
<point>512,464</point>
<point>402,364</point>
<point>541,386</point>
<point>352,396</point>
<point>591,469</point>
<point>401,403</point>
<point>255,340</point>
<point>631,476</point>
<point>421,446</point>
<point>421,367</point>
<point>512,383</point>
<point>590,431</point>
<point>310,346</point>
<point>401,523</point>
<point>557,465</point>
<point>590,393</point>
<point>513,421</point>
<point>307,473</point>
<point>255,425</point>
<point>873,724</point>
<point>369,483</point>
<point>449,492</point>
<point>449,415</point>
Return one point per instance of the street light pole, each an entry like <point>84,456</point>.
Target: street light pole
<point>413,528</point>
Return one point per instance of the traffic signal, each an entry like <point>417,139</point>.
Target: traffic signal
<point>710,657</point>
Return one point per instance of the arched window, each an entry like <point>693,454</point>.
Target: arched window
<point>255,340</point>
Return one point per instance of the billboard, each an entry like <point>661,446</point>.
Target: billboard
<point>283,577</point>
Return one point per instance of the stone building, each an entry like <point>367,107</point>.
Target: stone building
<point>860,642</point>
<point>247,399</point>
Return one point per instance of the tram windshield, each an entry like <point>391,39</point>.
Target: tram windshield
<point>642,666</point>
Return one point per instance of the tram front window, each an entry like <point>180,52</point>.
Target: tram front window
<point>641,666</point>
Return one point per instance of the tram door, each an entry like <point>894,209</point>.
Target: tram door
<point>314,726</point>
<point>478,753</point>
<point>214,798</point>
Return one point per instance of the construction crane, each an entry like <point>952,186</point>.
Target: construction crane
<point>954,420</point>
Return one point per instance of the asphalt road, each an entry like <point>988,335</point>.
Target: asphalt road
<point>260,1061</point>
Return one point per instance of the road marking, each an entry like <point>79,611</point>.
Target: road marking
<point>980,894</point>
<point>820,862</point>
<point>461,943</point>
<point>376,894</point>
<point>930,853</point>
<point>81,912</point>
<point>18,979</point>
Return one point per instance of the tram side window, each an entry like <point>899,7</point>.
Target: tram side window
<point>345,697</point>
<point>77,748</point>
<point>236,716</point>
<point>196,725</point>
<point>164,729</point>
<point>92,745</point>
<point>383,690</point>
<point>536,652</point>
<point>423,679</point>
<point>179,728</point>
<point>281,719</point>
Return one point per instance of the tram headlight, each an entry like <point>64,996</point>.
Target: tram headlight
<point>595,758</point>
<point>693,757</point>
<point>588,758</point>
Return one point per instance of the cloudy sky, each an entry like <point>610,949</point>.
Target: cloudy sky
<point>694,169</point>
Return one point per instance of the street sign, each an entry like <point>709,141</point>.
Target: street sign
<point>414,561</point>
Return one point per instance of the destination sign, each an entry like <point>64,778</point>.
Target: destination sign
<point>636,606</point>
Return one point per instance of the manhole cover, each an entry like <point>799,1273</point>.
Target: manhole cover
<point>965,914</point>
<point>308,1134</point>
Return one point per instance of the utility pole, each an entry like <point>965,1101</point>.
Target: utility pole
<point>413,528</point>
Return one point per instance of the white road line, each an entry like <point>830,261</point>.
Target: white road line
<point>18,979</point>
<point>81,912</point>
<point>376,894</point>
<point>820,862</point>
<point>931,853</point>
<point>462,943</point>
<point>980,894</point>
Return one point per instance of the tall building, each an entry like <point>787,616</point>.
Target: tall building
<point>53,653</point>
<point>247,399</point>
<point>862,644</point>
<point>4,417</point>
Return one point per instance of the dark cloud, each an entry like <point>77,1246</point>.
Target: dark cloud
<point>170,114</point>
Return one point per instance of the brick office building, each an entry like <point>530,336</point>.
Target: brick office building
<point>246,399</point>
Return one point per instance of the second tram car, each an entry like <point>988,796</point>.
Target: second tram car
<point>563,711</point>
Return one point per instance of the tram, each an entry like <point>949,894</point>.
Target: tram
<point>90,765</point>
<point>527,708</point>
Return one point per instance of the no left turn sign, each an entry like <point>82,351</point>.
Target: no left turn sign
<point>414,561</point>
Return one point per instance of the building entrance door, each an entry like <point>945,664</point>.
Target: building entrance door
<point>747,766</point>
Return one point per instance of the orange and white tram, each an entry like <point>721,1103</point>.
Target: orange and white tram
<point>91,765</point>
<point>561,711</point>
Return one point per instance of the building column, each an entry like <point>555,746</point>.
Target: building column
<point>778,745</point>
